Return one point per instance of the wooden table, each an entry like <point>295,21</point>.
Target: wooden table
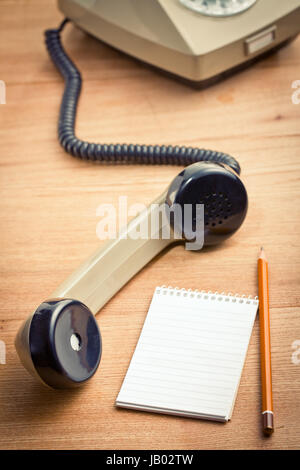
<point>48,214</point>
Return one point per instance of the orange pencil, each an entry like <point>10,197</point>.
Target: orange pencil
<point>265,345</point>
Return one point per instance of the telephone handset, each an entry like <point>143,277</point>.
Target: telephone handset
<point>61,342</point>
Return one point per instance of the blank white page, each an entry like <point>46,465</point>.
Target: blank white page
<point>190,354</point>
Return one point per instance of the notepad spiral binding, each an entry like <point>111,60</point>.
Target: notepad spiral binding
<point>207,295</point>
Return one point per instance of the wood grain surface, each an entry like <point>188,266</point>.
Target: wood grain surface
<point>48,226</point>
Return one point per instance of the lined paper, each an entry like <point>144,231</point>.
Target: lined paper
<point>190,354</point>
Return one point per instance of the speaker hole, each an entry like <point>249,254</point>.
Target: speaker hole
<point>76,342</point>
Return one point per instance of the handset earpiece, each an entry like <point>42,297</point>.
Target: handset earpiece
<point>61,343</point>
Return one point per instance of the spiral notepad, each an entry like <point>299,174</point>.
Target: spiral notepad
<point>190,354</point>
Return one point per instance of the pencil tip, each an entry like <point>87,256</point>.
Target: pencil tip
<point>262,253</point>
